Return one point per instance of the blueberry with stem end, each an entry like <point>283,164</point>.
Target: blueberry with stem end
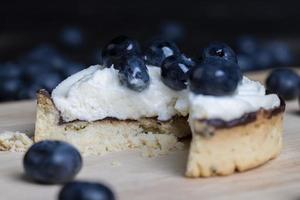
<point>159,49</point>
<point>219,50</point>
<point>118,49</point>
<point>174,72</point>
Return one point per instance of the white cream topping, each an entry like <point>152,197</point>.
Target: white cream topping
<point>96,93</point>
<point>249,97</point>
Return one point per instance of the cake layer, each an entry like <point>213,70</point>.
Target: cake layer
<point>105,135</point>
<point>224,150</point>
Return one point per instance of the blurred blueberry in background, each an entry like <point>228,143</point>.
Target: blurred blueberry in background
<point>281,53</point>
<point>263,59</point>
<point>72,36</point>
<point>257,54</point>
<point>245,62</point>
<point>172,30</point>
<point>246,44</point>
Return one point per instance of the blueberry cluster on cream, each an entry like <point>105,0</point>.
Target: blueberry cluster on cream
<point>160,82</point>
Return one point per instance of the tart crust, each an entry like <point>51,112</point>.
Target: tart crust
<point>101,136</point>
<point>217,147</point>
<point>223,148</point>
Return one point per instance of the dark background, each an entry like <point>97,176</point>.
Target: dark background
<point>26,25</point>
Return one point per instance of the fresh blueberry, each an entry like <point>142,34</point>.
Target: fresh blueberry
<point>263,59</point>
<point>52,162</point>
<point>79,190</point>
<point>247,45</point>
<point>159,49</point>
<point>281,53</point>
<point>188,61</point>
<point>174,72</point>
<point>72,36</point>
<point>246,62</point>
<point>211,79</point>
<point>173,31</point>
<point>212,61</point>
<point>219,50</point>
<point>119,48</point>
<point>284,82</point>
<point>134,73</point>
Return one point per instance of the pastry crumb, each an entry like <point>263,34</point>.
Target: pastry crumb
<point>14,141</point>
<point>159,144</point>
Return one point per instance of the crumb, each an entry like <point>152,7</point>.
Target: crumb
<point>115,163</point>
<point>14,141</point>
<point>159,144</point>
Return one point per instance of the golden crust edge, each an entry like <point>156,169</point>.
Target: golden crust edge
<point>244,147</point>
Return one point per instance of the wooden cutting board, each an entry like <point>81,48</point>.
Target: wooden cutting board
<point>134,177</point>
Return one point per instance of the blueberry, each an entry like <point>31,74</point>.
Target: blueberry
<point>247,45</point>
<point>52,162</point>
<point>219,50</point>
<point>284,82</point>
<point>173,31</point>
<point>158,49</point>
<point>212,61</point>
<point>119,48</point>
<point>79,190</point>
<point>188,61</point>
<point>72,36</point>
<point>281,53</point>
<point>246,62</point>
<point>174,72</point>
<point>134,73</point>
<point>211,79</point>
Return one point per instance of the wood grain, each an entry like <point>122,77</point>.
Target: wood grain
<point>162,177</point>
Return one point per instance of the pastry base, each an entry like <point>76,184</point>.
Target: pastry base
<point>237,148</point>
<point>107,135</point>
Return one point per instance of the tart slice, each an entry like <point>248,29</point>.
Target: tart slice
<point>233,129</point>
<point>96,113</point>
<point>125,104</point>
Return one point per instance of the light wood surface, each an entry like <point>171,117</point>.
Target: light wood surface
<point>162,177</point>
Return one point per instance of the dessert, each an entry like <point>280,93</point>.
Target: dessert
<point>235,125</point>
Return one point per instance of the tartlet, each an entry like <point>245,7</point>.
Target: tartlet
<point>235,125</point>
